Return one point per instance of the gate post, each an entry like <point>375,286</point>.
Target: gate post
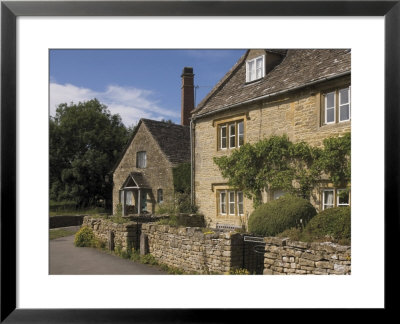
<point>144,244</point>
<point>111,240</point>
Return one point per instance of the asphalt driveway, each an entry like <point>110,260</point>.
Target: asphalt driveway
<point>67,259</point>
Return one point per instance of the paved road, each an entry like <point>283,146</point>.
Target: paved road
<point>65,258</point>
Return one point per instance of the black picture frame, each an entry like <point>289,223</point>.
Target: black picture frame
<point>10,10</point>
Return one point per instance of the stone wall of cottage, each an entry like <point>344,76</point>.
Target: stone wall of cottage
<point>286,257</point>
<point>297,114</point>
<point>158,171</point>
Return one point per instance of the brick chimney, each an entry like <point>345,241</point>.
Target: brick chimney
<point>187,98</point>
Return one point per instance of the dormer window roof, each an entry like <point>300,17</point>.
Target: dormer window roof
<point>255,68</point>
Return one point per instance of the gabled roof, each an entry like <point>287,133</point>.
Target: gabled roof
<point>135,179</point>
<point>299,67</point>
<point>173,140</point>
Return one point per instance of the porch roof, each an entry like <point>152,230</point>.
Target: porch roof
<point>135,180</point>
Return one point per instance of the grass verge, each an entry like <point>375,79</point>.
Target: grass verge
<point>59,232</point>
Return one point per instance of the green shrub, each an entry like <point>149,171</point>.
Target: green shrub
<point>84,237</point>
<point>239,272</point>
<point>332,223</point>
<point>278,215</point>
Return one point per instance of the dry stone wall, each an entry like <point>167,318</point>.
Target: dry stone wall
<point>124,235</point>
<point>192,250</point>
<point>198,250</point>
<point>285,257</point>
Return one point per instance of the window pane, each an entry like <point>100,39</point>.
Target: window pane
<point>344,96</point>
<point>129,199</point>
<point>141,160</point>
<point>344,112</point>
<point>328,199</point>
<point>222,198</point>
<point>231,202</point>
<point>223,136</point>
<point>232,135</point>
<point>330,100</point>
<point>250,73</point>
<point>343,198</point>
<point>330,115</point>
<point>240,202</point>
<point>241,133</point>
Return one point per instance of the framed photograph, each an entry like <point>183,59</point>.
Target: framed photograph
<point>29,29</point>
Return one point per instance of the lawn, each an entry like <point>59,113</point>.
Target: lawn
<point>58,208</point>
<point>60,232</point>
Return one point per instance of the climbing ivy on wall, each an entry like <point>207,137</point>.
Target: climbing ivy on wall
<point>182,176</point>
<point>277,163</point>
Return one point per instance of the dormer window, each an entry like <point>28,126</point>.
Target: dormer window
<point>255,68</point>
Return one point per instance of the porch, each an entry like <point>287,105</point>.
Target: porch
<point>134,195</point>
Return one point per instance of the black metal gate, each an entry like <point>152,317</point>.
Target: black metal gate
<point>253,254</point>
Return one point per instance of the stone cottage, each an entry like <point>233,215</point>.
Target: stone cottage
<point>143,177</point>
<point>299,92</point>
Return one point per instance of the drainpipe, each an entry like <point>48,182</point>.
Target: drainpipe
<point>192,139</point>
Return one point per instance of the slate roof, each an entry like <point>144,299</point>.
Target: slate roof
<point>174,140</point>
<point>138,180</point>
<point>299,67</point>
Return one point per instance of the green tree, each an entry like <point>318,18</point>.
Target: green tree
<point>85,142</point>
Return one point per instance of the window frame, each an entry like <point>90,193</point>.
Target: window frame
<point>222,202</point>
<point>226,124</point>
<point>338,197</point>
<point>221,137</point>
<point>335,198</point>
<point>326,108</point>
<point>249,73</point>
<point>336,106</point>
<point>231,203</point>
<point>228,203</point>
<point>323,198</point>
<point>234,124</point>
<point>348,103</point>
<point>239,203</point>
<point>160,196</point>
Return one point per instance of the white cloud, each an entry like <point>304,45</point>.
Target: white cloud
<point>131,103</point>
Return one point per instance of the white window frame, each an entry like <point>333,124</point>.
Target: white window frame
<point>337,198</point>
<point>326,108</point>
<point>222,202</point>
<point>349,103</point>
<point>226,137</point>
<point>323,198</point>
<point>251,75</point>
<point>238,132</point>
<point>230,135</point>
<point>230,202</point>
<point>238,203</point>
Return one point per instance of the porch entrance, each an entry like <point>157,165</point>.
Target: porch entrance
<point>133,195</point>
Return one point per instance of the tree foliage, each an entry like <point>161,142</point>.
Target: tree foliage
<point>277,163</point>
<point>85,143</point>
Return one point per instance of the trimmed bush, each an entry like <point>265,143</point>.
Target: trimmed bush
<point>84,237</point>
<point>278,215</point>
<point>332,223</point>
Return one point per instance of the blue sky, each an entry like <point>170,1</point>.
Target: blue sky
<point>135,83</point>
